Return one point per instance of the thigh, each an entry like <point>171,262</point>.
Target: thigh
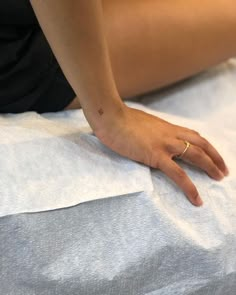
<point>75,104</point>
<point>155,43</point>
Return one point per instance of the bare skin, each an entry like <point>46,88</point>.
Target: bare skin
<point>155,43</point>
<point>99,57</point>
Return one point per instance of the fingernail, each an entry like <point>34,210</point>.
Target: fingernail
<point>199,201</point>
<point>221,175</point>
<point>226,171</point>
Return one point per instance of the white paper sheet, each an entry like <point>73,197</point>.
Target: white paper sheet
<point>48,164</point>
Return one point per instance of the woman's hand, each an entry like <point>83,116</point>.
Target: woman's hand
<point>154,142</point>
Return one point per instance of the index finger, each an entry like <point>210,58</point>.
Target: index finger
<point>178,175</point>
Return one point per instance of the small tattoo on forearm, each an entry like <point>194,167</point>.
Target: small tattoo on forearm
<point>100,111</point>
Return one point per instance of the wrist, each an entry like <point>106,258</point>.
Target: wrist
<point>107,118</point>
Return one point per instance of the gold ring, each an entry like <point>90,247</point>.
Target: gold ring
<point>185,150</point>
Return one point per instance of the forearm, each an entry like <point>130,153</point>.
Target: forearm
<point>75,32</point>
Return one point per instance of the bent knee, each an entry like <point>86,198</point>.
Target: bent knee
<point>75,104</point>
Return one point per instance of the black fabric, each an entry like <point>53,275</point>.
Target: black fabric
<point>30,77</point>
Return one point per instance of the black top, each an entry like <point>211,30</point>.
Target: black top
<point>29,72</point>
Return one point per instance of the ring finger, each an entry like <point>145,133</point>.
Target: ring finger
<point>201,142</point>
<point>196,156</point>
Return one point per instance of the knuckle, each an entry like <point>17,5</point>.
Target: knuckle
<point>180,174</point>
<point>198,152</point>
<point>204,143</point>
<point>186,129</point>
<point>153,161</point>
<point>195,132</point>
<point>171,148</point>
